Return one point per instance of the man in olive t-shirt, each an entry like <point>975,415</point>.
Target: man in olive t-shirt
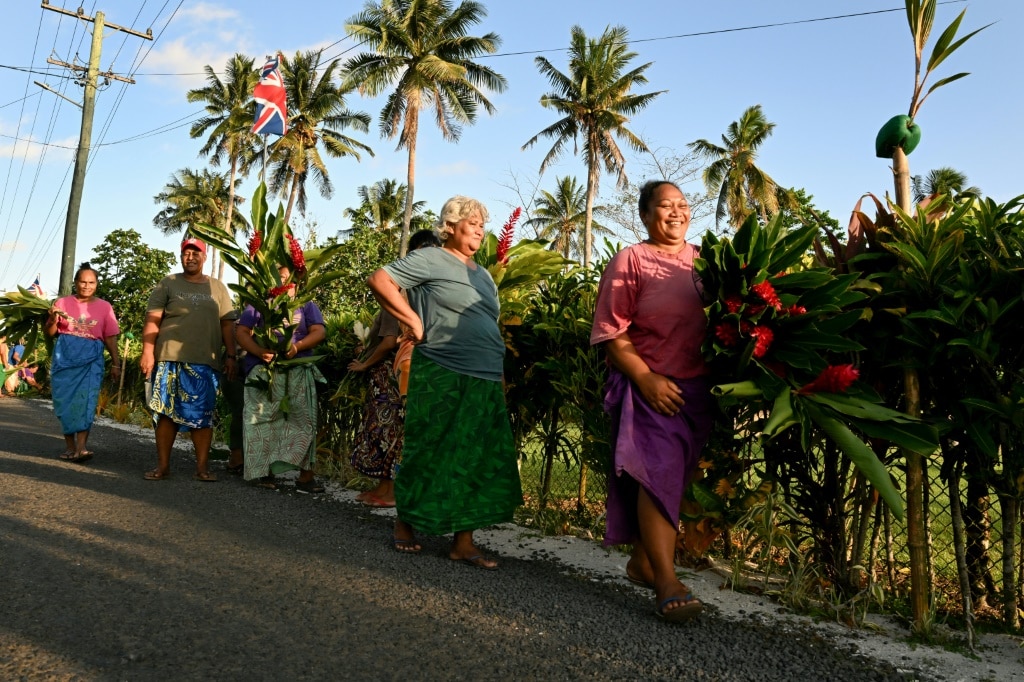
<point>188,318</point>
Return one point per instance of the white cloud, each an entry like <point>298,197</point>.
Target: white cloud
<point>13,246</point>
<point>204,11</point>
<point>453,169</point>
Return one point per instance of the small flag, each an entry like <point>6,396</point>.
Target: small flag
<point>36,289</point>
<point>271,100</point>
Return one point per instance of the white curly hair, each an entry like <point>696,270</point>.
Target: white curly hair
<point>455,209</point>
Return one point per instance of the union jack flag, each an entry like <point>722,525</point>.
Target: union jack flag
<point>36,288</point>
<point>271,100</point>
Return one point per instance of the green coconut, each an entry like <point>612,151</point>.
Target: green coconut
<point>899,131</point>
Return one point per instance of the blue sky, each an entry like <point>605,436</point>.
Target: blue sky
<point>828,86</point>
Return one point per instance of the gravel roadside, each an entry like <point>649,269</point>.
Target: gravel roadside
<point>107,576</point>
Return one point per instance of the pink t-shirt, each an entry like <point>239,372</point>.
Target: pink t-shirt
<point>653,297</point>
<point>93,320</point>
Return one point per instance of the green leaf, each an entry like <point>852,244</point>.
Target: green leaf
<point>862,457</point>
<point>707,499</point>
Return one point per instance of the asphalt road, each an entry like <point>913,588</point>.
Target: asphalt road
<point>106,576</point>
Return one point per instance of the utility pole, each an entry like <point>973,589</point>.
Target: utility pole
<point>91,76</point>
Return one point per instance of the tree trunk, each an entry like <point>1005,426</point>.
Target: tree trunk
<point>959,546</point>
<point>901,179</point>
<point>228,228</point>
<point>592,183</point>
<point>412,126</point>
<point>978,530</point>
<point>919,587</point>
<point>1009,507</point>
<point>292,195</point>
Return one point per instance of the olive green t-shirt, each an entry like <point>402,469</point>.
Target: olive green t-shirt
<point>459,309</point>
<point>192,312</point>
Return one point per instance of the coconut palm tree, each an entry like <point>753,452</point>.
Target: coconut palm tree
<point>230,110</point>
<point>734,176</point>
<point>945,180</point>
<point>422,54</point>
<point>317,115</point>
<point>561,216</point>
<point>595,101</point>
<point>197,197</point>
<point>382,206</point>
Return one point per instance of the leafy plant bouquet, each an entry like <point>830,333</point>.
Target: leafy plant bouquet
<point>272,246</point>
<point>781,353</point>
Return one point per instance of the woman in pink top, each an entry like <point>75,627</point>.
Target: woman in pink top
<point>650,319</point>
<point>83,325</point>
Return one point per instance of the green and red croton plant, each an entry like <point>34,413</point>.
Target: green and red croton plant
<point>780,348</point>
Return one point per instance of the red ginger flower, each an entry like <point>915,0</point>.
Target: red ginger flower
<point>507,232</point>
<point>833,379</point>
<point>796,309</point>
<point>727,334</point>
<point>254,244</point>
<point>733,303</point>
<point>766,292</point>
<point>763,337</point>
<point>295,251</point>
<point>277,291</point>
<point>753,310</point>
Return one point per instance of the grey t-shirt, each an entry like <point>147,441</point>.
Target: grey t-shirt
<point>190,329</point>
<point>459,308</point>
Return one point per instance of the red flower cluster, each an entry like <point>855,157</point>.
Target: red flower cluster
<point>727,334</point>
<point>733,303</point>
<point>277,291</point>
<point>254,244</point>
<point>767,294</point>
<point>507,231</point>
<point>834,379</point>
<point>763,337</point>
<point>295,252</point>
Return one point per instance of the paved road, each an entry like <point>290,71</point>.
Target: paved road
<point>105,576</point>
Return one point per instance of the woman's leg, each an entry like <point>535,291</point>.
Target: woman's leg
<point>404,538</point>
<point>658,540</point>
<point>463,549</point>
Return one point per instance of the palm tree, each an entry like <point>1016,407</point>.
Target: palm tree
<point>196,197</point>
<point>422,55</point>
<point>382,206</point>
<point>733,175</point>
<point>230,110</point>
<point>561,217</point>
<point>316,116</point>
<point>595,102</point>
<point>945,180</point>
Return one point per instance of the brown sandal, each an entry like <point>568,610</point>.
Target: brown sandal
<point>156,475</point>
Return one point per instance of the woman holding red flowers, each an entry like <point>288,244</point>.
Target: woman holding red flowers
<point>277,438</point>
<point>650,320</point>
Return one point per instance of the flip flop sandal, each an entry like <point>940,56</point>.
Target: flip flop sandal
<point>156,475</point>
<point>690,608</point>
<point>80,459</point>
<point>234,468</point>
<point>204,477</point>
<point>478,561</point>
<point>406,546</point>
<point>639,581</point>
<point>373,501</point>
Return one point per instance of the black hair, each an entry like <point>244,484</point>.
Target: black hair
<point>86,266</point>
<point>647,192</point>
<point>423,238</point>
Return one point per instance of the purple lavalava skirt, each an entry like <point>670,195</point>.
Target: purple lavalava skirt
<point>651,450</point>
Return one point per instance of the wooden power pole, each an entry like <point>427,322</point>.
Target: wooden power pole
<point>90,76</point>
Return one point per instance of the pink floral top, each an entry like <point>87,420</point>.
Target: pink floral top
<point>92,320</point>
